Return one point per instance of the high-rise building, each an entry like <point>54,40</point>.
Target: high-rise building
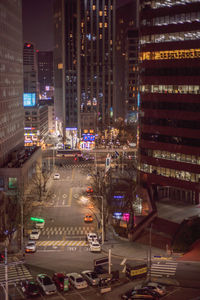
<point>84,63</point>
<point>30,69</point>
<point>127,61</point>
<point>11,73</point>
<point>170,98</point>
<point>45,74</point>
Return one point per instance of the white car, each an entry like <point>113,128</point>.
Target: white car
<point>95,246</point>
<point>46,284</point>
<point>30,247</point>
<point>39,225</point>
<point>56,176</point>
<point>91,277</point>
<point>35,234</point>
<point>91,236</point>
<point>77,280</point>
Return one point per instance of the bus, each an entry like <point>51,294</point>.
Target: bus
<point>69,153</point>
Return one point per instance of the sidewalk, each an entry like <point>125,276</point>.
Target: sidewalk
<point>129,250</point>
<point>174,211</point>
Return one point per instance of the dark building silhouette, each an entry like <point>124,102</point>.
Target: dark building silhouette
<point>45,73</point>
<point>127,62</point>
<point>170,98</point>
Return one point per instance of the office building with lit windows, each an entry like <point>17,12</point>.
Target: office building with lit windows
<point>84,63</point>
<point>45,74</point>
<point>127,62</point>
<point>170,98</point>
<point>11,74</point>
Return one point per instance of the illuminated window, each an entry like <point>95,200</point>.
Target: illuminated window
<point>105,24</point>
<point>82,24</point>
<point>93,7</point>
<point>101,36</point>
<point>100,13</point>
<point>100,25</point>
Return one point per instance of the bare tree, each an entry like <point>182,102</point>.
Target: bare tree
<point>39,184</point>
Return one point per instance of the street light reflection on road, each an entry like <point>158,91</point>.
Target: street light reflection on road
<point>84,199</point>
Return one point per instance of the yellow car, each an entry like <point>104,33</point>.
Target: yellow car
<point>88,219</point>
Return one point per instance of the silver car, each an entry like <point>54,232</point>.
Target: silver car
<point>91,277</point>
<point>46,284</point>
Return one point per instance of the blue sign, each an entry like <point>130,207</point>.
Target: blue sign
<point>29,99</point>
<point>88,137</point>
<point>118,197</point>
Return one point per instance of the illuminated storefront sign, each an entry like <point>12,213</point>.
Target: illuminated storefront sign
<point>173,54</point>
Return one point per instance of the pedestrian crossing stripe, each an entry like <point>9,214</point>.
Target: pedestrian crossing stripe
<point>61,243</point>
<point>159,269</point>
<point>77,230</point>
<point>16,273</point>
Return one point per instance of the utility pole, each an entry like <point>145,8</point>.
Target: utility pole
<point>102,219</point>
<point>6,274</point>
<point>109,261</point>
<point>150,232</point>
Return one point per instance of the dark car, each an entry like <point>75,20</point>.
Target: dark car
<point>100,270</point>
<point>30,288</point>
<point>58,279</point>
<point>142,293</point>
<point>127,295</point>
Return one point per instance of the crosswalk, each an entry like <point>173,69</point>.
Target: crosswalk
<point>68,230</point>
<point>16,272</point>
<point>160,269</point>
<point>62,243</point>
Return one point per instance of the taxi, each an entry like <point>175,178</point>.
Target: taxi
<point>88,218</point>
<point>89,190</point>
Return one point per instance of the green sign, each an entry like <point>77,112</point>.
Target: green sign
<point>66,284</point>
<point>37,220</point>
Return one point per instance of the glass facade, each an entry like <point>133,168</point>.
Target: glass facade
<point>170,98</point>
<point>11,79</point>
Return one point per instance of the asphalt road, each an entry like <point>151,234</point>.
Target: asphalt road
<point>62,245</point>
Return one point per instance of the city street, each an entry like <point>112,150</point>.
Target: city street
<point>62,245</point>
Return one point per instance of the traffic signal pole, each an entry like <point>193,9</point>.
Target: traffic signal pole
<point>6,274</point>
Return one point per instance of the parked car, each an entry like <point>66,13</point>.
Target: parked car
<point>35,234</point>
<point>46,284</point>
<point>30,247</point>
<point>88,218</point>
<point>58,279</point>
<point>29,288</point>
<point>39,225</point>
<point>95,246</point>
<point>77,280</point>
<point>145,293</point>
<point>91,236</point>
<point>159,288</point>
<point>56,176</point>
<point>127,295</point>
<point>91,277</point>
<point>99,270</point>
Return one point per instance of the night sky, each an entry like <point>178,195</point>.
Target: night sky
<point>38,22</point>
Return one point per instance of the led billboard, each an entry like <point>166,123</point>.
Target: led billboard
<point>29,99</point>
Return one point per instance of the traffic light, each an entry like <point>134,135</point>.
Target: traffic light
<point>37,220</point>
